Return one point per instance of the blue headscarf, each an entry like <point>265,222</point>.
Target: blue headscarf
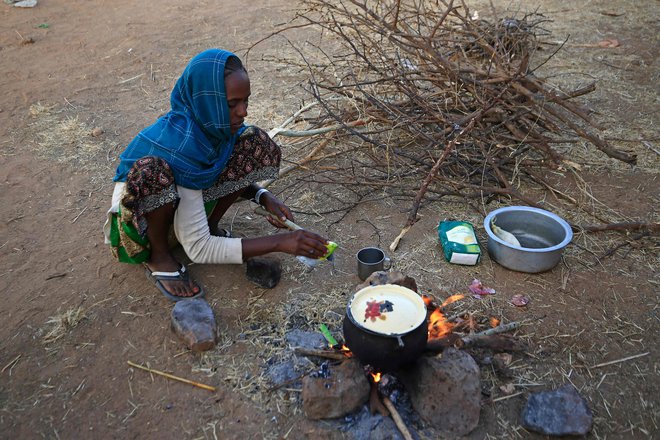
<point>195,136</point>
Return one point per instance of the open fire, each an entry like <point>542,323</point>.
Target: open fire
<point>439,326</point>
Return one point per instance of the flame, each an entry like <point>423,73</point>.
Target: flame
<point>452,299</point>
<point>345,348</point>
<point>376,377</point>
<point>427,300</point>
<point>438,324</point>
<point>494,322</point>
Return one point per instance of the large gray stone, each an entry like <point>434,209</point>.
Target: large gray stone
<point>559,412</point>
<point>193,322</point>
<point>343,390</point>
<point>445,391</point>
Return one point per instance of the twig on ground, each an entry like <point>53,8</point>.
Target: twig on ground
<point>491,331</point>
<point>11,363</point>
<point>618,361</point>
<point>171,376</point>
<point>625,243</point>
<point>628,226</point>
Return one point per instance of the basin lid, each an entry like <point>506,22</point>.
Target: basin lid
<point>388,309</point>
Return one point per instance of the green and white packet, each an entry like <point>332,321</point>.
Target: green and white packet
<point>459,242</point>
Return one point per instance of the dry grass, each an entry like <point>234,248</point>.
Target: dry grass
<point>61,324</point>
<point>61,135</point>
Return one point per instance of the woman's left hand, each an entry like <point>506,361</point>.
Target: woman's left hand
<point>277,208</point>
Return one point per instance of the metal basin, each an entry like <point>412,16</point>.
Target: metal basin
<point>542,236</point>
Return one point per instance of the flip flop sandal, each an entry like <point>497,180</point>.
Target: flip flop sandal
<point>179,275</point>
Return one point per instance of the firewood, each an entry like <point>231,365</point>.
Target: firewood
<point>398,421</point>
<point>328,354</point>
<point>375,404</point>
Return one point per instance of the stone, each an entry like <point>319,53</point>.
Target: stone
<point>193,322</point>
<point>97,131</point>
<point>557,413</point>
<point>300,339</point>
<point>445,391</point>
<point>26,4</point>
<point>386,277</point>
<point>266,272</point>
<point>338,392</point>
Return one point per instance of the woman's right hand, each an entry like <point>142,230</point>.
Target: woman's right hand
<point>301,242</point>
<point>305,243</point>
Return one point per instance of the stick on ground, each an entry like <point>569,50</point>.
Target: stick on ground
<point>173,377</point>
<point>398,421</point>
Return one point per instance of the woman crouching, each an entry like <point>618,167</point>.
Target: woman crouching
<point>187,169</point>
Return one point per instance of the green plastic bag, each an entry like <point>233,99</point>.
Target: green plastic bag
<point>459,242</point>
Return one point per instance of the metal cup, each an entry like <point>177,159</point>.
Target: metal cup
<point>370,260</point>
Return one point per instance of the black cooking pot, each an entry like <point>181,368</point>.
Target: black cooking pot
<point>384,345</point>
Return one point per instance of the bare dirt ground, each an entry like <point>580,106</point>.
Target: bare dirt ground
<point>72,318</point>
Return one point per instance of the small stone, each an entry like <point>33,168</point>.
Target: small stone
<point>266,272</point>
<point>343,391</point>
<point>446,392</point>
<point>97,131</point>
<point>26,4</point>
<point>26,41</point>
<point>310,340</point>
<point>557,413</point>
<point>194,322</point>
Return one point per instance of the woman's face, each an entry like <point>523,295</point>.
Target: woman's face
<point>237,87</point>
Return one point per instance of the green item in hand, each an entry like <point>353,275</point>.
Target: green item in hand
<point>331,246</point>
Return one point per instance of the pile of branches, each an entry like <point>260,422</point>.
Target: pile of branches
<point>444,95</point>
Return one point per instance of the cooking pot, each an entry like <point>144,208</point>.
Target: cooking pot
<point>386,326</point>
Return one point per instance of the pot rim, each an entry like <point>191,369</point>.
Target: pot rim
<point>568,232</point>
<point>349,315</point>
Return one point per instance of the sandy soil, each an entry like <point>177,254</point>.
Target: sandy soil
<point>69,67</point>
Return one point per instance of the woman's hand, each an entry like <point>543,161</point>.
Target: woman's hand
<point>305,243</point>
<point>301,242</point>
<point>277,208</point>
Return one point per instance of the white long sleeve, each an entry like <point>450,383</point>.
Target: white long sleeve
<point>192,230</point>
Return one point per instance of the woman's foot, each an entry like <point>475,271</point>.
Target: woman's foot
<point>172,279</point>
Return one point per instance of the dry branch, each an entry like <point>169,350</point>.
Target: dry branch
<point>420,72</point>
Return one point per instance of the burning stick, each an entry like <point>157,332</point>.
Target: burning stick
<point>398,421</point>
<point>375,404</point>
<point>491,331</point>
<point>171,376</point>
<point>328,354</point>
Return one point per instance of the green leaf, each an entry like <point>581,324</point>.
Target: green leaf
<point>44,26</point>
